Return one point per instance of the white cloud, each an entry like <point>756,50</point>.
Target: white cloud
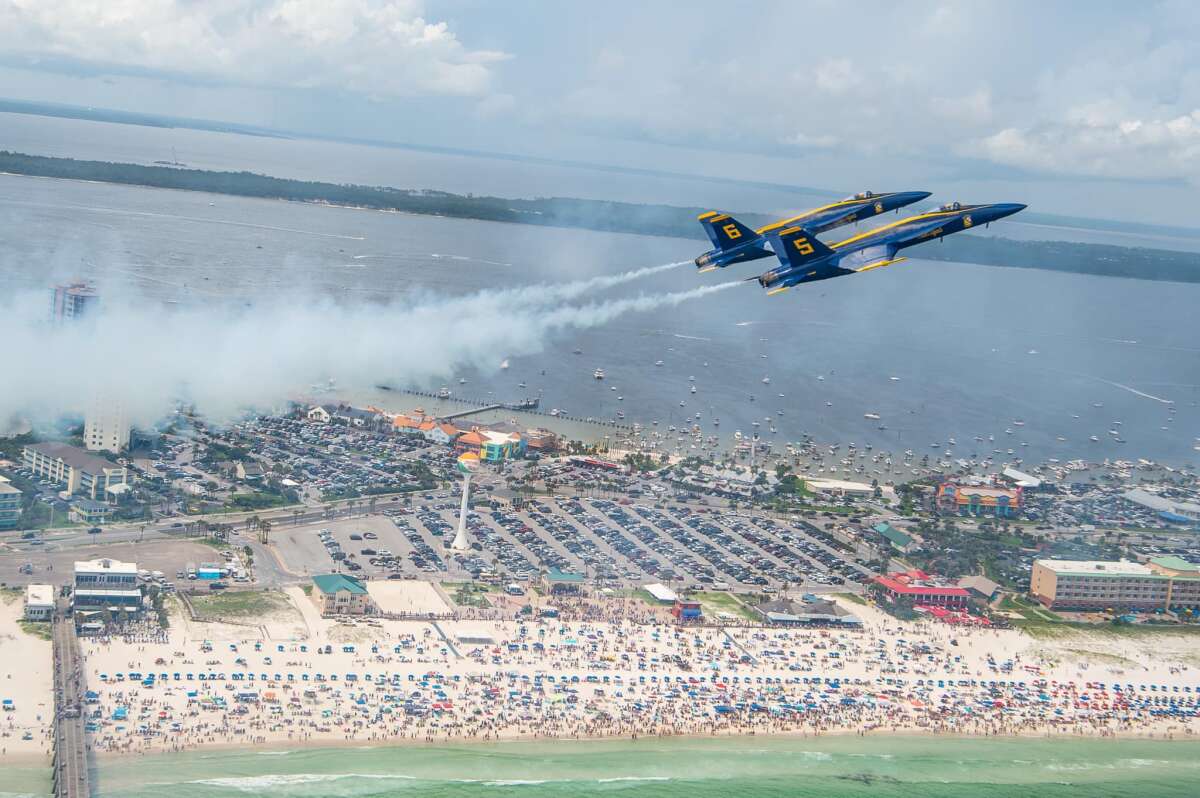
<point>1090,144</point>
<point>383,48</point>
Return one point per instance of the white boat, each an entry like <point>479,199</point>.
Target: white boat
<point>894,379</point>
<point>693,389</point>
<point>598,374</point>
<point>658,362</point>
<point>872,416</point>
<point>504,364</point>
<point>555,412</point>
<point>766,380</point>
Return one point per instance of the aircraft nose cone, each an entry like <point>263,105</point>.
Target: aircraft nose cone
<point>1003,209</point>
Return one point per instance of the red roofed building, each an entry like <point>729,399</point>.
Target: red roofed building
<point>920,588</point>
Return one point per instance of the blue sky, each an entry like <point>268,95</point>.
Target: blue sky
<point>1091,109</point>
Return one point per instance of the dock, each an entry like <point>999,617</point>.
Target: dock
<point>71,778</point>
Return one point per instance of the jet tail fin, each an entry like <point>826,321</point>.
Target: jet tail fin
<point>724,231</point>
<point>795,246</point>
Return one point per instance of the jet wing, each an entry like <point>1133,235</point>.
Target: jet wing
<point>875,257</point>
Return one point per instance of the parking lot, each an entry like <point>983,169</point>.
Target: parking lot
<point>55,565</point>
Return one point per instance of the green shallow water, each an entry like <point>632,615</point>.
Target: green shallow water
<point>829,767</point>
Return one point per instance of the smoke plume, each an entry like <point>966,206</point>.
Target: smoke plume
<point>229,360</point>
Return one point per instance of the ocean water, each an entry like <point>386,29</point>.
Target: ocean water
<point>974,348</point>
<point>831,767</point>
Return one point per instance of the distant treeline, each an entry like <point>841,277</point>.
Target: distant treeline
<point>617,217</point>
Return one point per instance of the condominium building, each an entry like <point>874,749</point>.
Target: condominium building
<point>106,425</point>
<point>72,301</point>
<point>1168,583</point>
<point>10,505</point>
<point>82,473</point>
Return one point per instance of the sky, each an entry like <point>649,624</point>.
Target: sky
<point>1080,108</point>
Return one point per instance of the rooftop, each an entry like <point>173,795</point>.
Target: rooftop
<point>335,583</point>
<point>6,489</point>
<point>1097,567</point>
<point>894,535</point>
<point>39,595</point>
<point>73,456</point>
<point>555,575</point>
<point>1173,563</point>
<point>105,564</point>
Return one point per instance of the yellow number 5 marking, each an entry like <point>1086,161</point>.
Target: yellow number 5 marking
<point>732,231</point>
<point>803,246</point>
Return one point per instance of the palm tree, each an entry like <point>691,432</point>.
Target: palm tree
<point>264,532</point>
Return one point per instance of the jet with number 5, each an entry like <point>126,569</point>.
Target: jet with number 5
<point>804,259</point>
<point>734,242</point>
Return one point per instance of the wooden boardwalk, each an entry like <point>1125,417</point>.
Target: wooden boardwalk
<point>70,745</point>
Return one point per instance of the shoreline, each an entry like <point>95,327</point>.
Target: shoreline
<point>908,733</point>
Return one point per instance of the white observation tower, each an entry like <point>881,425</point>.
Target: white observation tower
<point>468,464</point>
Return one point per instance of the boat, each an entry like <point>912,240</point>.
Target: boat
<point>504,364</point>
<point>693,389</point>
<point>872,416</point>
<point>620,398</point>
<point>682,403</point>
<point>444,393</point>
<point>1093,439</point>
<point>766,380</point>
<point>462,380</point>
<point>894,379</point>
<point>522,384</point>
<point>717,423</point>
<point>576,351</point>
<point>598,374</point>
<point>555,412</point>
<point>658,362</point>
<point>620,414</point>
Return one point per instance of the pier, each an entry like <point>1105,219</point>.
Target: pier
<point>70,745</point>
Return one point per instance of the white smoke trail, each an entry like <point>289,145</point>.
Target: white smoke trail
<point>232,360</point>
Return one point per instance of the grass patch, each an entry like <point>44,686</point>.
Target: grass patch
<point>39,629</point>
<point>717,602</point>
<point>467,594</point>
<point>240,604</point>
<point>306,589</point>
<point>852,597</point>
<point>219,545</point>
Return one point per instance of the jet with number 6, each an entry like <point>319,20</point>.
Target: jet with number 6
<point>734,242</point>
<point>804,259</point>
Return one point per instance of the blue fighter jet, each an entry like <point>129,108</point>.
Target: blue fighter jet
<point>733,242</point>
<point>804,259</point>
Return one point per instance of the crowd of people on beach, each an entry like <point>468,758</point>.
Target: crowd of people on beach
<point>596,673</point>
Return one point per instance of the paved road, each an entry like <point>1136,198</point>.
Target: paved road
<point>71,777</point>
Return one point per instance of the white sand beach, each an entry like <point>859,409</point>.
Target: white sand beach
<point>271,684</point>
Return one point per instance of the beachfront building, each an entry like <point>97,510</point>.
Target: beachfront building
<point>10,505</point>
<point>1166,583</point>
<point>499,446</point>
<point>72,301</point>
<point>39,602</point>
<point>106,584</point>
<point>687,610</point>
<point>921,589</point>
<point>318,414</point>
<point>810,612</point>
<point>341,594</point>
<point>978,500</point>
<point>106,424</point>
<point>86,511</point>
<point>562,583</point>
<point>898,540</point>
<point>82,473</point>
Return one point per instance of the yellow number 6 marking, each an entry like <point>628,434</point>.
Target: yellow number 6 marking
<point>803,246</point>
<point>732,231</point>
